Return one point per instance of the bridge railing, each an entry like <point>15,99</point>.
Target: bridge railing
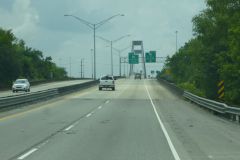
<point>14,101</point>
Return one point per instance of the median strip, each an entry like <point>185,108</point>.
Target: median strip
<point>34,97</point>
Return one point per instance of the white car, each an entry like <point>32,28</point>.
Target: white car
<point>107,82</point>
<point>21,85</point>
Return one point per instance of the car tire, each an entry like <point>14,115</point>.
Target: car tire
<point>113,88</point>
<point>100,88</point>
<point>13,91</point>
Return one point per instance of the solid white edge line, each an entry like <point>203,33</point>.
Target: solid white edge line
<point>28,153</point>
<point>173,150</point>
<point>68,128</point>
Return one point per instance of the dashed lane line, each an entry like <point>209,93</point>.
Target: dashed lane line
<point>25,155</point>
<point>68,128</point>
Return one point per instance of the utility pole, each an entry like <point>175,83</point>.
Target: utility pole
<point>124,68</point>
<point>120,66</point>
<point>82,68</point>
<point>176,41</point>
<point>70,67</point>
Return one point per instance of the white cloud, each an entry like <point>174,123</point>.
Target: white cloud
<point>28,16</point>
<point>22,19</point>
<point>42,25</point>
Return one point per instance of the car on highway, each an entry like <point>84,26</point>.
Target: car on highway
<point>21,85</point>
<point>107,82</point>
<point>138,76</point>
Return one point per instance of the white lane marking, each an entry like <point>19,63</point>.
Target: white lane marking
<point>100,107</point>
<point>88,115</point>
<point>107,102</point>
<point>174,152</point>
<point>68,128</point>
<point>43,144</point>
<point>28,153</point>
<point>210,156</point>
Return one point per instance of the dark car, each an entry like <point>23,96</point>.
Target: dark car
<point>138,76</point>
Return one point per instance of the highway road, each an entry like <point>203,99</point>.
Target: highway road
<point>141,120</point>
<point>44,86</point>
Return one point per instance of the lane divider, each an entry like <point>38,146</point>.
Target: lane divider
<point>68,128</point>
<point>40,145</point>
<point>25,155</point>
<point>173,150</point>
<point>88,115</point>
<point>107,102</point>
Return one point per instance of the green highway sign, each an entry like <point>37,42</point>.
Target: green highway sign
<point>147,57</point>
<point>150,57</point>
<point>153,56</point>
<point>133,58</point>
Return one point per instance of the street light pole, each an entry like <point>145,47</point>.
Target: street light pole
<point>94,27</point>
<point>119,54</point>
<point>92,57</point>
<point>111,59</point>
<point>111,45</point>
<point>94,52</point>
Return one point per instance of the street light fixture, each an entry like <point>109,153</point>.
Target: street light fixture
<point>119,54</point>
<point>94,26</point>
<point>111,44</point>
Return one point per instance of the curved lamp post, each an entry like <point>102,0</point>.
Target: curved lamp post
<point>94,26</point>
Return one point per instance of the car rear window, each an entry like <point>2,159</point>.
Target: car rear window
<point>21,81</point>
<point>107,78</point>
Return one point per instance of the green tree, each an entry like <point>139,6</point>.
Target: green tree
<point>213,54</point>
<point>18,60</point>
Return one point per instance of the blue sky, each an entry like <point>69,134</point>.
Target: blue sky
<point>41,24</point>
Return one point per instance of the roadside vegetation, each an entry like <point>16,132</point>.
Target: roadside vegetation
<point>212,55</point>
<point>19,61</point>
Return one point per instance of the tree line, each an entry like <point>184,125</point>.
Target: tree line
<point>19,61</point>
<point>212,55</point>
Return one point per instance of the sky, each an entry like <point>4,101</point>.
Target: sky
<point>42,25</point>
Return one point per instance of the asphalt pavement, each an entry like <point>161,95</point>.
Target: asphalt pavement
<point>141,120</point>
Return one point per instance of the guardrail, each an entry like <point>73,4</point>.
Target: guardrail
<point>210,104</point>
<point>172,87</point>
<point>33,97</point>
<point>230,112</point>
